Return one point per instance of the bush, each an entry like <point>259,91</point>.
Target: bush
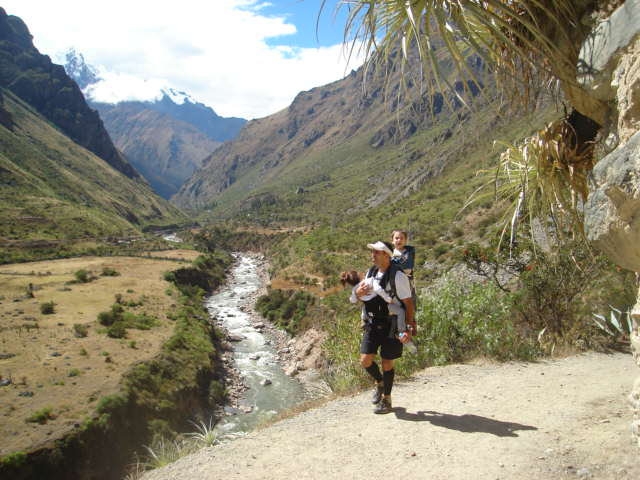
<point>41,416</point>
<point>117,330</point>
<point>83,276</point>
<point>560,291</point>
<point>47,308</point>
<point>462,322</point>
<point>109,272</point>
<point>80,330</point>
<point>285,308</point>
<point>14,460</point>
<point>109,318</point>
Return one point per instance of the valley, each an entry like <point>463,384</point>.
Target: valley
<point>521,206</point>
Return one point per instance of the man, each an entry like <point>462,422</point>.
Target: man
<point>378,331</point>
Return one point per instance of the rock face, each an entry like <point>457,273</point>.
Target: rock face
<point>611,219</point>
<point>612,213</point>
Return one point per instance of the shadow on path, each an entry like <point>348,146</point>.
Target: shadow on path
<point>463,423</point>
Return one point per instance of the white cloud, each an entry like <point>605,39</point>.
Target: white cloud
<point>215,50</point>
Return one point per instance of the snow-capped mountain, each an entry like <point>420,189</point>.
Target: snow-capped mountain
<point>165,138</point>
<point>77,69</point>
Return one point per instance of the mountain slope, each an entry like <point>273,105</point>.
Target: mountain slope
<point>165,139</point>
<point>46,87</point>
<point>164,150</point>
<point>52,189</point>
<point>334,143</point>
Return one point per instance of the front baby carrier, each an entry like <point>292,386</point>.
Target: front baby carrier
<point>377,309</point>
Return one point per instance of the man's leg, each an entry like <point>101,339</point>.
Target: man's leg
<point>366,360</point>
<point>388,374</point>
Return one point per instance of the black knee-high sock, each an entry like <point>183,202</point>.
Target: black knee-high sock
<point>374,371</point>
<point>387,378</point>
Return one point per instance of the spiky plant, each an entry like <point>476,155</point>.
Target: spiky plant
<point>525,42</point>
<point>205,435</point>
<point>163,452</point>
<point>545,177</point>
<point>529,45</point>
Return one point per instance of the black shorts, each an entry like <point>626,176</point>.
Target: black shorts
<point>376,336</point>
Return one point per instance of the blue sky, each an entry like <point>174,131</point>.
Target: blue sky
<point>314,27</point>
<point>243,58</point>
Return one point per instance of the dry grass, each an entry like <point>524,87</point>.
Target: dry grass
<point>49,366</point>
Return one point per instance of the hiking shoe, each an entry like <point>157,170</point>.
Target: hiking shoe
<point>377,393</point>
<point>384,406</point>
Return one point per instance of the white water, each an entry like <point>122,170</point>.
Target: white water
<point>254,356</point>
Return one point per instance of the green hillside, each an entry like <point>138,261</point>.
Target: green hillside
<point>56,194</point>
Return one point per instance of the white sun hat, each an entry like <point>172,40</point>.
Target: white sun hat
<point>381,247</point>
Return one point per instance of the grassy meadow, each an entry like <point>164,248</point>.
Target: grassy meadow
<point>60,364</point>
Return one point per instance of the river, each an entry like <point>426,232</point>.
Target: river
<point>269,390</point>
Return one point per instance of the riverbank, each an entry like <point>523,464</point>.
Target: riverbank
<point>554,419</point>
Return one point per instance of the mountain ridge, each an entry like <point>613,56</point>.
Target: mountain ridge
<point>329,133</point>
<point>53,189</point>
<point>165,139</point>
<point>46,86</point>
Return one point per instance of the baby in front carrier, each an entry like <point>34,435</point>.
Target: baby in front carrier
<point>395,308</point>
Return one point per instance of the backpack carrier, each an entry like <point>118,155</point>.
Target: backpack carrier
<point>377,309</point>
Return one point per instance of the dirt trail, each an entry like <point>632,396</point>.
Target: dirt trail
<point>557,419</point>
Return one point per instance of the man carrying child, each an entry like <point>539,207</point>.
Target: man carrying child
<point>378,327</point>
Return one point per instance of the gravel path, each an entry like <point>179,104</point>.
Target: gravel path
<point>557,419</point>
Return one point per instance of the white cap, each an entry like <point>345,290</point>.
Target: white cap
<point>381,247</point>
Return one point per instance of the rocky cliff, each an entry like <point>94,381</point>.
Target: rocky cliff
<point>612,213</point>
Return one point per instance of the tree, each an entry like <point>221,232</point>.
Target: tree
<point>527,45</point>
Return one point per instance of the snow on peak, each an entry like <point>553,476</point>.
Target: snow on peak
<point>103,86</point>
<point>177,97</point>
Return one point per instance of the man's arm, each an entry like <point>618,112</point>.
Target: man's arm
<point>409,312</point>
<point>403,292</point>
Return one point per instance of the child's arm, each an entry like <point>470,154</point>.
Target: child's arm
<point>380,291</point>
<point>353,298</point>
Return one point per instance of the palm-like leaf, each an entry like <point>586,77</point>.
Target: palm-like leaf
<point>524,41</point>
<point>544,177</point>
<point>527,44</point>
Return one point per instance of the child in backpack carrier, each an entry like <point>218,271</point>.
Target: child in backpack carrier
<point>395,308</point>
<point>404,257</point>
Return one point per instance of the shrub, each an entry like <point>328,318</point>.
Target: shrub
<point>559,291</point>
<point>106,318</point>
<point>41,416</point>
<point>285,308</point>
<point>83,276</point>
<point>109,318</point>
<point>47,308</point>
<point>109,272</point>
<point>80,330</point>
<point>217,392</point>
<point>461,322</point>
<point>117,330</point>
<point>14,460</point>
